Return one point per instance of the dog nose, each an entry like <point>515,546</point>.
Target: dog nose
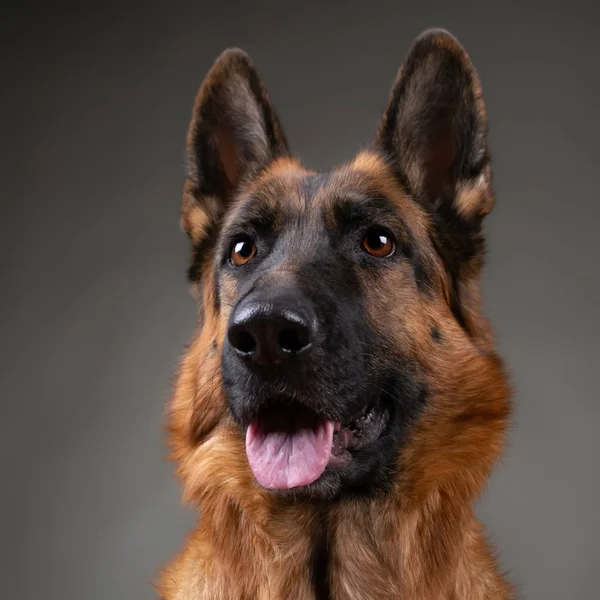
<point>271,332</point>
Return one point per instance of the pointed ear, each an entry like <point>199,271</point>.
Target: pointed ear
<point>234,134</point>
<point>434,129</point>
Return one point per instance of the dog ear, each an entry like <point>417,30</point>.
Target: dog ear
<point>434,129</point>
<point>234,134</point>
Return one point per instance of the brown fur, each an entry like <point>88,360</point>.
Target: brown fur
<point>420,540</point>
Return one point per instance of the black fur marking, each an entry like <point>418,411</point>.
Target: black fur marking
<point>423,277</point>
<point>457,241</point>
<point>351,213</point>
<point>436,336</point>
<point>202,252</point>
<point>320,559</point>
<point>259,218</point>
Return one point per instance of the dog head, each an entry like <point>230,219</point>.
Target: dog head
<point>341,347</point>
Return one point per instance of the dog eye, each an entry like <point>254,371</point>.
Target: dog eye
<point>378,242</point>
<point>242,252</point>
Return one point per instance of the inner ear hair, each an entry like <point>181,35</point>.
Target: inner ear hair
<point>233,134</point>
<point>434,128</point>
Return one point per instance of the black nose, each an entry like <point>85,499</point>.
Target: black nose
<point>271,331</point>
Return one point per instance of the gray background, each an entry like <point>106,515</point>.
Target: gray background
<point>96,310</point>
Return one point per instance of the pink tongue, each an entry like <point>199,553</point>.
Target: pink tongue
<point>284,460</point>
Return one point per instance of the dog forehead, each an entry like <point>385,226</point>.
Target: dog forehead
<point>287,192</point>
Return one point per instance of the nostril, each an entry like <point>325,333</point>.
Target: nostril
<point>246,343</point>
<point>243,341</point>
<point>294,339</point>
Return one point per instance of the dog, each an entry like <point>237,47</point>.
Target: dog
<point>342,404</point>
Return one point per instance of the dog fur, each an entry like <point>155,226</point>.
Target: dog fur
<point>415,536</point>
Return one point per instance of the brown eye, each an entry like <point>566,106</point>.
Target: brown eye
<point>242,252</point>
<point>379,243</point>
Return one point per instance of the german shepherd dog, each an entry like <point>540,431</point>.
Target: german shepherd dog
<point>342,403</point>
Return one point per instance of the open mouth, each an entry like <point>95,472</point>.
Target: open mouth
<point>290,445</point>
